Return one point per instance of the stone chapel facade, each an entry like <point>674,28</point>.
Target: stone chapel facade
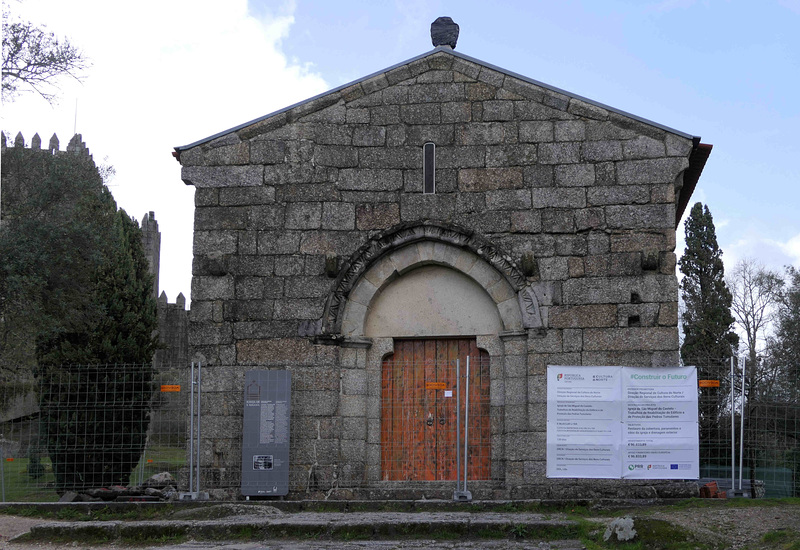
<point>333,240</point>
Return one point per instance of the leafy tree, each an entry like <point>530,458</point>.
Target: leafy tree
<point>34,58</point>
<point>55,216</point>
<point>786,349</point>
<point>707,320</point>
<point>75,296</point>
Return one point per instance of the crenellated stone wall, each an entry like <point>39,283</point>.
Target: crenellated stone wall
<point>561,209</point>
<point>32,165</point>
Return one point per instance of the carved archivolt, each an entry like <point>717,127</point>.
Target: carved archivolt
<point>397,237</point>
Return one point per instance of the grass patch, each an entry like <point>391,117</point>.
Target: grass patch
<point>651,534</point>
<point>89,513</point>
<point>22,486</point>
<point>706,503</point>
<point>357,534</point>
<point>32,480</point>
<point>491,534</point>
<point>157,459</point>
<point>781,539</point>
<point>699,503</point>
<point>160,535</point>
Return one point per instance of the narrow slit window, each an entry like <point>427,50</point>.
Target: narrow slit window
<point>429,168</point>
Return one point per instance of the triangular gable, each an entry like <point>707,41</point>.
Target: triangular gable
<point>406,69</point>
<point>553,99</point>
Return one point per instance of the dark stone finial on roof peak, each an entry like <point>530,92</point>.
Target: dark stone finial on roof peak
<point>444,32</point>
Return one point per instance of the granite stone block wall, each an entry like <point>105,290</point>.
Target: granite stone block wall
<point>287,207</point>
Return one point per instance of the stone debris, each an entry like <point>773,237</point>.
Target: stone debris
<point>621,529</point>
<point>160,487</point>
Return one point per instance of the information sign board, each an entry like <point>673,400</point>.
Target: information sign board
<point>622,422</point>
<point>265,434</point>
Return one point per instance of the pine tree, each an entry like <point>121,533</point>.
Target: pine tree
<point>707,320</point>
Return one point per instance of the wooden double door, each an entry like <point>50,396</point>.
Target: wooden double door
<point>419,433</point>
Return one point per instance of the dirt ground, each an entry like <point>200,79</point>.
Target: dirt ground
<point>739,528</point>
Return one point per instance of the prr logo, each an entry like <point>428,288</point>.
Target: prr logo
<point>560,376</point>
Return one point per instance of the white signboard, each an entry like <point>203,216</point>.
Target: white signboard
<point>622,422</point>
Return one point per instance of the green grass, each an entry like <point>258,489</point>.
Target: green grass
<point>21,487</point>
<point>781,539</point>
<point>650,535</point>
<point>157,459</point>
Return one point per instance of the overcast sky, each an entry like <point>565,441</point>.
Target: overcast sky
<point>170,72</point>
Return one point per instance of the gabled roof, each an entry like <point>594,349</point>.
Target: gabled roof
<point>697,158</point>
<point>442,49</point>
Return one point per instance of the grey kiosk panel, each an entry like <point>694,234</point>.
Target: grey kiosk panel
<point>265,433</point>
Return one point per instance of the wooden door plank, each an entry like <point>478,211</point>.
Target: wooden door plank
<point>416,402</point>
<point>429,459</point>
<point>412,450</point>
<point>408,407</point>
<point>399,421</point>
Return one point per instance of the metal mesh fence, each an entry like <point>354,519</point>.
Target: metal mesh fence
<point>431,414</point>
<point>80,426</point>
<point>750,425</point>
<point>89,426</point>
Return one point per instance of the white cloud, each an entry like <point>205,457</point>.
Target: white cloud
<point>164,74</point>
<point>774,254</point>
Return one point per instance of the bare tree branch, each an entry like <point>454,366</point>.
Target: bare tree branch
<point>33,59</point>
<point>756,291</point>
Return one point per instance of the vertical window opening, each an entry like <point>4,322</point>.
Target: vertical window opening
<point>429,167</point>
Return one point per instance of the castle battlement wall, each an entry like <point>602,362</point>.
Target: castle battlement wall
<point>75,145</point>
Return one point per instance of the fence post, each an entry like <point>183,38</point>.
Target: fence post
<point>459,494</point>
<point>199,391</point>
<point>466,430</point>
<point>741,428</point>
<point>191,427</point>
<point>458,429</point>
<point>733,428</point>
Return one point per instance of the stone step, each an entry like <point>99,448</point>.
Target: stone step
<point>336,525</point>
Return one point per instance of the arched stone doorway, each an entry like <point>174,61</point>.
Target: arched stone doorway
<point>421,287</point>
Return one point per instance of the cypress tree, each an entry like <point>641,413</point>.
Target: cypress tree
<point>707,323</point>
<point>124,333</point>
<point>707,320</point>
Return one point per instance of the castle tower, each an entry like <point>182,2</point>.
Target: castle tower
<point>151,241</point>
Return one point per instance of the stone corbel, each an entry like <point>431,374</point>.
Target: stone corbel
<point>529,306</point>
